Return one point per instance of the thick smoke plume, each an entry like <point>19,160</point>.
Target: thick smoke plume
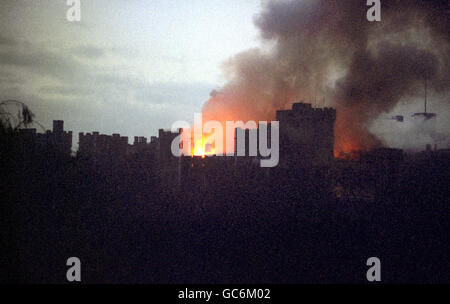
<point>328,53</point>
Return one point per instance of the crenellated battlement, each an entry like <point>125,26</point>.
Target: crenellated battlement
<point>305,111</point>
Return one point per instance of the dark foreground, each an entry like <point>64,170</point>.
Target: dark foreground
<point>128,226</point>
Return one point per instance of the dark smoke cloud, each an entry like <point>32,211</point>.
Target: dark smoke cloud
<point>324,49</point>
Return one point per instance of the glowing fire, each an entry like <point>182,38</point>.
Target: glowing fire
<point>202,147</point>
<point>347,150</point>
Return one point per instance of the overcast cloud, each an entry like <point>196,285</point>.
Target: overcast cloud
<point>128,67</point>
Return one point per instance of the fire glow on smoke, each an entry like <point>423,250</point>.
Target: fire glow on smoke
<point>327,53</point>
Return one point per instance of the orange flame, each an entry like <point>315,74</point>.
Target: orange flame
<point>202,147</point>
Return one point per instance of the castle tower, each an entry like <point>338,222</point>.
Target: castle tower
<point>306,135</point>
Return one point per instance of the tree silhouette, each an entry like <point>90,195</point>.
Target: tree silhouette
<point>10,123</point>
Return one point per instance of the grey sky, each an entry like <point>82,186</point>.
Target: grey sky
<point>129,66</point>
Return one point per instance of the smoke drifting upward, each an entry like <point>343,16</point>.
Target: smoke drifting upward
<point>327,50</point>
